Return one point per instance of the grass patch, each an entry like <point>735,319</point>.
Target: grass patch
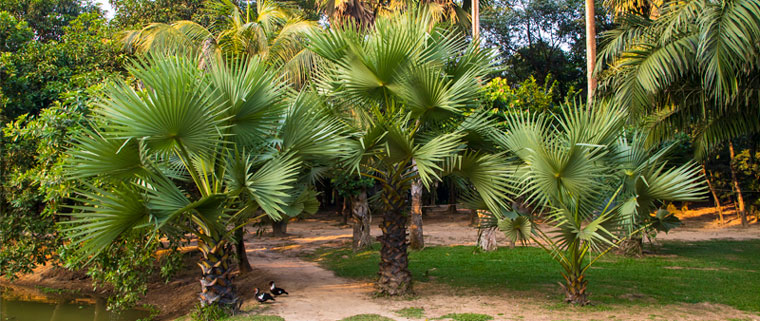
<point>716,271</point>
<point>412,313</point>
<point>465,317</point>
<point>367,317</point>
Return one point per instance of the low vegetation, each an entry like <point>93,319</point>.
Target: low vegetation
<point>665,278</point>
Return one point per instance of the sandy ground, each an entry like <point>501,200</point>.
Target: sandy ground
<point>317,294</point>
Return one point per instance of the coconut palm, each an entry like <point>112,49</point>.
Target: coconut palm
<point>197,152</point>
<point>594,184</point>
<point>692,69</point>
<point>268,30</point>
<point>403,88</point>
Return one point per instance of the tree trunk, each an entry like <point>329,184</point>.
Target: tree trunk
<point>590,50</point>
<point>632,247</point>
<point>362,220</point>
<point>345,212</point>
<point>452,198</point>
<point>394,276</point>
<point>416,238</point>
<point>739,196</point>
<point>243,265</point>
<point>575,289</point>
<point>280,228</point>
<point>716,199</point>
<point>486,236</point>
<point>216,285</point>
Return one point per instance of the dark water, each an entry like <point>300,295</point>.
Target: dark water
<point>34,305</point>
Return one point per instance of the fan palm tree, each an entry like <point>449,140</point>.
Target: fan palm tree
<point>594,184</point>
<point>692,69</point>
<point>194,152</point>
<point>268,30</point>
<point>403,88</point>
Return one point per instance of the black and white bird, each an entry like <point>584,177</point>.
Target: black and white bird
<point>275,290</point>
<point>262,296</point>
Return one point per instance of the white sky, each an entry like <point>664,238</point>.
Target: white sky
<point>106,7</point>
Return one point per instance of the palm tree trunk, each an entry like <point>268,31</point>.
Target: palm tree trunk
<point>216,285</point>
<point>362,238</point>
<point>395,278</point>
<point>590,50</point>
<point>280,228</point>
<point>475,20</point>
<point>739,196</point>
<point>486,236</point>
<point>575,289</point>
<point>345,211</point>
<point>716,199</point>
<point>243,264</point>
<point>416,238</point>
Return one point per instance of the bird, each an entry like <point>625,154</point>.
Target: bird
<point>262,297</point>
<point>275,290</point>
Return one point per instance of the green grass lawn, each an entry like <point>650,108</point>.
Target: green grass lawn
<point>726,272</point>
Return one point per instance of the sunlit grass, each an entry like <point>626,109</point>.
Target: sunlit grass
<point>725,272</point>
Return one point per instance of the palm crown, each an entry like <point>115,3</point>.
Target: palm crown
<point>273,32</point>
<point>688,69</point>
<point>404,88</point>
<point>597,186</point>
<point>197,152</point>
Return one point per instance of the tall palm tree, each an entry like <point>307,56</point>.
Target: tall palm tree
<point>692,69</point>
<point>404,87</point>
<point>268,30</point>
<point>194,152</point>
<point>594,184</point>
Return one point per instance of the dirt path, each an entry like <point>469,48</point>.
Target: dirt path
<point>317,294</point>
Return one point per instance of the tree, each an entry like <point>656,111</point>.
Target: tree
<point>691,69</point>
<point>580,168</point>
<point>540,38</point>
<point>268,30</point>
<point>48,18</point>
<point>138,13</point>
<point>404,87</point>
<point>193,151</point>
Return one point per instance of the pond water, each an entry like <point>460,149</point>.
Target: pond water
<point>22,304</point>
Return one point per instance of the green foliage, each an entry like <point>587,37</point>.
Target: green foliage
<point>538,38</point>
<point>349,184</point>
<point>37,74</point>
<point>527,96</point>
<point>125,266</point>
<point>213,312</point>
<point>13,33</point>
<point>47,18</point>
<point>465,317</point>
<point>691,69</point>
<point>411,312</point>
<point>532,274</point>
<point>138,13</point>
<point>33,188</point>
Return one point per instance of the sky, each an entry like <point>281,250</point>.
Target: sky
<point>106,7</point>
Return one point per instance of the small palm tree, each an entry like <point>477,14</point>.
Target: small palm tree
<point>404,88</point>
<point>194,152</point>
<point>268,30</point>
<point>595,186</point>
